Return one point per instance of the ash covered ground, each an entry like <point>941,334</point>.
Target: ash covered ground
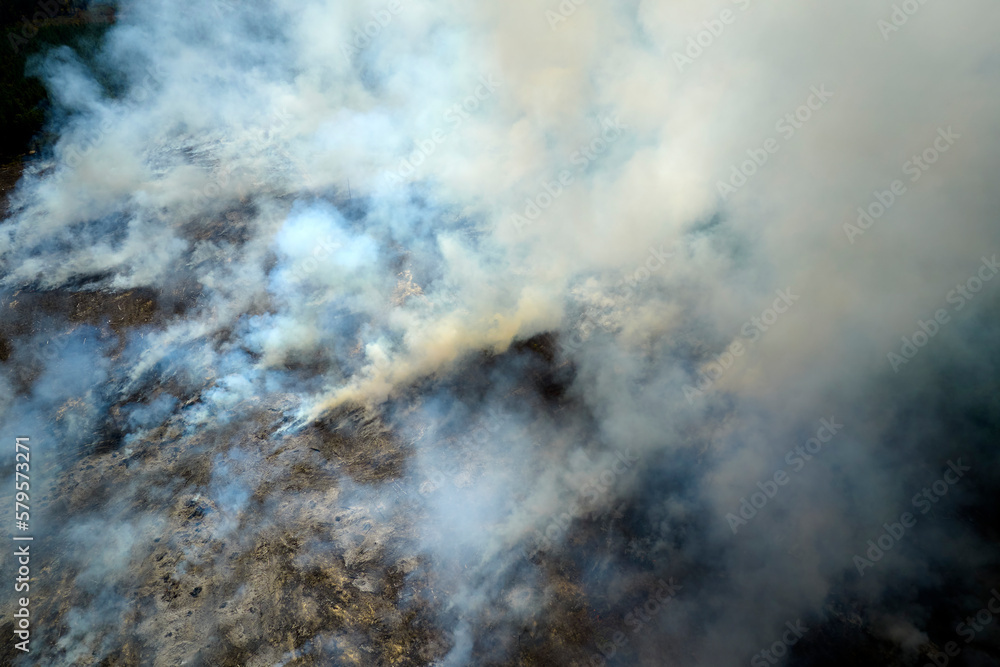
<point>436,333</point>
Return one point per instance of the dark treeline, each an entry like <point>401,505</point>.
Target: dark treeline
<point>23,99</point>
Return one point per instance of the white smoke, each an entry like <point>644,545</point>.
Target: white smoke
<point>357,221</point>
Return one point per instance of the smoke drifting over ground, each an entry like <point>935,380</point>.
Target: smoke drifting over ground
<point>428,332</point>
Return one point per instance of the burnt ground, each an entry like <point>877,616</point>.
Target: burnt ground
<point>10,173</point>
<point>296,573</point>
<point>245,543</point>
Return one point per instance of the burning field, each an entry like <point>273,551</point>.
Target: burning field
<point>502,333</point>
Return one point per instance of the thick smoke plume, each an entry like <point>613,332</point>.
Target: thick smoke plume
<point>544,334</point>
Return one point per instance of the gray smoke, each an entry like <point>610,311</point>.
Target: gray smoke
<point>598,269</point>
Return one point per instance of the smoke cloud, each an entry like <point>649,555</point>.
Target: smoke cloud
<point>483,327</point>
